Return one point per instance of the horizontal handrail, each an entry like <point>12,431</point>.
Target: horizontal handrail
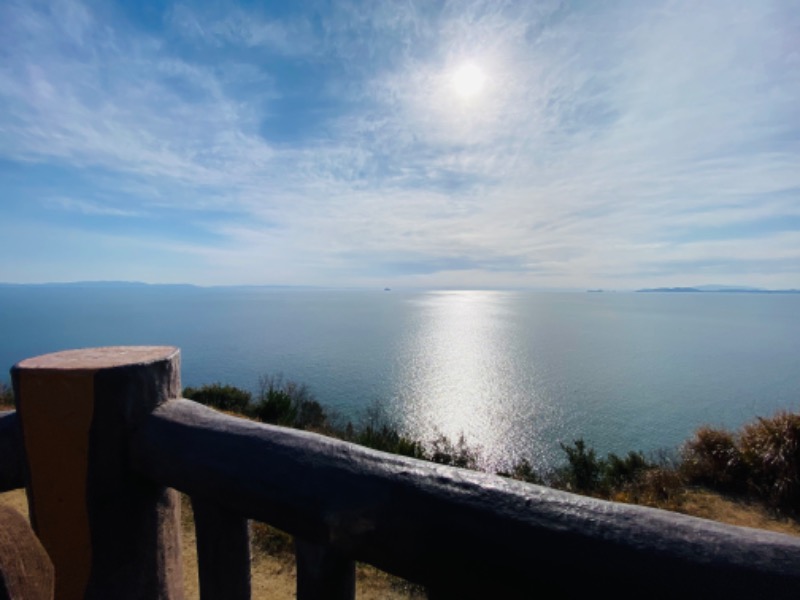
<point>12,457</point>
<point>450,529</point>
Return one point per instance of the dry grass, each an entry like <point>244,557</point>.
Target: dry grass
<point>710,505</point>
<point>15,499</point>
<point>273,567</point>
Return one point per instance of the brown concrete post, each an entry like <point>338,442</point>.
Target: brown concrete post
<point>323,573</point>
<point>109,533</point>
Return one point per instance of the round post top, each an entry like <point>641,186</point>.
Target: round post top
<point>95,359</point>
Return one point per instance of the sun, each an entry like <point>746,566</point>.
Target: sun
<point>468,80</point>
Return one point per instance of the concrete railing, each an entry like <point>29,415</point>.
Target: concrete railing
<point>107,440</point>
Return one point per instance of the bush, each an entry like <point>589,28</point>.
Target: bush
<point>458,454</point>
<point>387,439</point>
<point>222,397</point>
<point>621,472</point>
<point>287,403</point>
<point>712,458</point>
<point>583,471</point>
<point>660,486</point>
<point>620,478</point>
<point>763,458</point>
<point>376,431</point>
<point>523,471</point>
<point>770,451</point>
<point>6,396</point>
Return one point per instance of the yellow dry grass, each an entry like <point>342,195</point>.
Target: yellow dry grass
<point>709,505</point>
<point>273,577</point>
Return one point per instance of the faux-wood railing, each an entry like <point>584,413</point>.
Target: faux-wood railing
<point>101,439</point>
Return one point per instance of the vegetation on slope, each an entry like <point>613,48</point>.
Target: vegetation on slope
<point>760,462</point>
<point>6,397</point>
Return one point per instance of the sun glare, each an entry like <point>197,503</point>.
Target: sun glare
<point>468,80</point>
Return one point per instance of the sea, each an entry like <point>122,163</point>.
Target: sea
<point>516,373</point>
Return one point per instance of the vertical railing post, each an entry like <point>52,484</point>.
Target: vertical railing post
<point>223,552</point>
<point>12,456</point>
<point>109,533</point>
<point>323,574</point>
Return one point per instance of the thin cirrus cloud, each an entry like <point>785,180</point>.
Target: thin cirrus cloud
<point>625,145</point>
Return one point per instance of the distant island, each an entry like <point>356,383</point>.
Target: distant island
<point>716,289</point>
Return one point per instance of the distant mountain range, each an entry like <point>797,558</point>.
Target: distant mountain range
<point>103,284</point>
<point>729,289</point>
<point>141,284</point>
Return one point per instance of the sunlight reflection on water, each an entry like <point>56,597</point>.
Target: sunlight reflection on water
<point>463,373</point>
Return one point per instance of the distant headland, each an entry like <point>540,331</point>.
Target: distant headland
<point>716,289</point>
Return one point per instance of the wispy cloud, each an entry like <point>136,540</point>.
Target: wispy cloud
<point>90,208</point>
<point>221,27</point>
<point>638,143</point>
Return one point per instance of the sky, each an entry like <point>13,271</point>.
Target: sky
<point>547,144</point>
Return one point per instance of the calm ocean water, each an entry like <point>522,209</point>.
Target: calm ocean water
<point>515,372</point>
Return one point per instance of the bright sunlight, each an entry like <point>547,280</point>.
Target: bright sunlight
<point>468,80</point>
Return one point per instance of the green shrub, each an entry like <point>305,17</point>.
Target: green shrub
<point>222,397</point>
<point>583,470</point>
<point>388,439</point>
<point>6,396</point>
<point>287,403</point>
<point>523,471</point>
<point>613,476</point>
<point>620,472</point>
<point>458,454</point>
<point>376,431</point>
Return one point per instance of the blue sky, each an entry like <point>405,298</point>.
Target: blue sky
<point>426,144</point>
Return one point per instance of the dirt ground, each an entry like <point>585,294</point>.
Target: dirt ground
<point>273,577</point>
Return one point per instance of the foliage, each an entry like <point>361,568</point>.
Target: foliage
<point>583,471</point>
<point>619,472</point>
<point>375,430</point>
<point>660,486</point>
<point>458,454</point>
<point>287,403</point>
<point>628,479</point>
<point>712,457</point>
<point>6,396</point>
<point>388,439</point>
<point>770,450</point>
<point>222,397</point>
<point>523,471</point>
<point>762,459</point>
